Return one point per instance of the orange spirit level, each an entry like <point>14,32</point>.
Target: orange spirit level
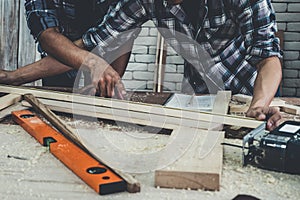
<point>97,176</point>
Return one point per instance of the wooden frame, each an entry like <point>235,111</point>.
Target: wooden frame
<point>199,175</point>
<point>133,108</point>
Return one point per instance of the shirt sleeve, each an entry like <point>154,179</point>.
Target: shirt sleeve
<point>40,15</point>
<point>258,27</point>
<point>121,23</point>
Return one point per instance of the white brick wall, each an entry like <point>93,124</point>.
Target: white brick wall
<point>140,71</point>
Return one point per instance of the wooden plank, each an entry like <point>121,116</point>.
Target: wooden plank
<point>198,169</point>
<point>9,100</point>
<point>200,166</point>
<point>9,15</point>
<point>133,106</point>
<point>7,111</point>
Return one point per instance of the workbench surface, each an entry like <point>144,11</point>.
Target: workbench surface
<point>29,171</point>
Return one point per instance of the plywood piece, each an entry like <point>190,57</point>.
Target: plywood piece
<point>133,106</point>
<point>199,168</point>
<point>9,100</point>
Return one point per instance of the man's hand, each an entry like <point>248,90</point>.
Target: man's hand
<point>269,114</point>
<point>105,81</point>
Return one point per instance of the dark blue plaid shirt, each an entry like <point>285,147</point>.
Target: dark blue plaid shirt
<point>73,17</point>
<point>236,34</point>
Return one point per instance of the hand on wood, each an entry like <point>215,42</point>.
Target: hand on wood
<point>270,114</point>
<point>105,81</point>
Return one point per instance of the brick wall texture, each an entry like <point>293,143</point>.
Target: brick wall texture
<point>140,71</point>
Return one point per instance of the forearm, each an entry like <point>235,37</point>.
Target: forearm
<point>267,82</point>
<point>62,49</point>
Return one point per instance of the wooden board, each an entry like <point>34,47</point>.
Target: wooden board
<point>9,100</point>
<point>291,109</point>
<point>133,106</point>
<point>9,12</point>
<point>201,165</point>
<point>199,168</point>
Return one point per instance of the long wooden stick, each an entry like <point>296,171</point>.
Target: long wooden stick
<point>133,106</point>
<point>132,184</point>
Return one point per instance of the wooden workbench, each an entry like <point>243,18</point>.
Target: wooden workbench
<point>32,172</point>
<point>29,171</point>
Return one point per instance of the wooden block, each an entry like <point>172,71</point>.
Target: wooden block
<point>238,108</point>
<point>242,98</point>
<point>199,168</point>
<point>291,109</point>
<point>278,102</point>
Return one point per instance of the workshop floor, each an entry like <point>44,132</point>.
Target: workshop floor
<point>29,171</point>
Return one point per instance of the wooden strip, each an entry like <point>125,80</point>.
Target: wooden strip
<point>132,184</point>
<point>52,118</point>
<point>167,122</point>
<point>198,169</point>
<point>195,169</point>
<point>133,106</point>
<point>9,100</point>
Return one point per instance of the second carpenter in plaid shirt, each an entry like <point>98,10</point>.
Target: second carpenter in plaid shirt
<point>237,34</point>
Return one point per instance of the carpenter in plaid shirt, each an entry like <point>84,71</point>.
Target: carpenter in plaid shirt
<point>238,34</point>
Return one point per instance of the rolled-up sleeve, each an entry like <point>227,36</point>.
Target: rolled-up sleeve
<point>40,15</point>
<point>120,24</point>
<point>258,27</point>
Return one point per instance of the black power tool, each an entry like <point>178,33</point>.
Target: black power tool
<point>278,150</point>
